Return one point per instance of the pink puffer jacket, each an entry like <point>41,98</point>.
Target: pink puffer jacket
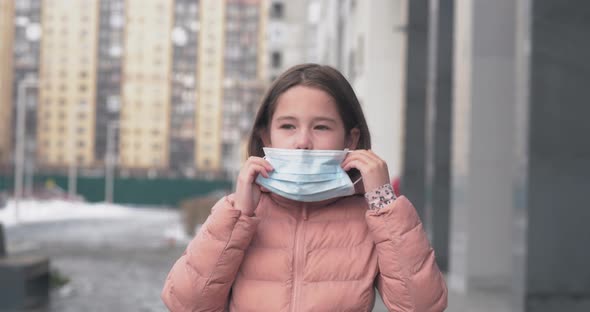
<point>295,256</point>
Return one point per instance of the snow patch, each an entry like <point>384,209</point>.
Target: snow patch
<point>31,211</point>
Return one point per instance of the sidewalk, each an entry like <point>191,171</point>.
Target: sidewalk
<point>119,262</point>
<point>474,301</point>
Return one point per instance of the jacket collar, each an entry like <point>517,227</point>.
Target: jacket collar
<point>289,203</point>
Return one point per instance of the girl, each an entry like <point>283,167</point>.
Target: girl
<point>298,234</point>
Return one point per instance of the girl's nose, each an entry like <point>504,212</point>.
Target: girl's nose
<point>303,141</point>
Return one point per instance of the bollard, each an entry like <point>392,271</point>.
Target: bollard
<point>2,242</point>
<point>24,281</point>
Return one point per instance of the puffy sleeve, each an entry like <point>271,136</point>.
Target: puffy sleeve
<point>203,276</point>
<point>409,278</point>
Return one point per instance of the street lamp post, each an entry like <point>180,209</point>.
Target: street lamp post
<point>29,169</point>
<point>110,161</point>
<point>72,167</point>
<point>21,103</point>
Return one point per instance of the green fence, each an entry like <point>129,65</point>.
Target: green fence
<point>158,191</point>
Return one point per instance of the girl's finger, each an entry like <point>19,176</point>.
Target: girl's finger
<point>368,154</point>
<point>256,169</point>
<point>356,156</point>
<point>355,163</point>
<point>261,161</point>
<point>368,157</point>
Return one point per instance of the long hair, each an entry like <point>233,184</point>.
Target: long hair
<point>324,78</point>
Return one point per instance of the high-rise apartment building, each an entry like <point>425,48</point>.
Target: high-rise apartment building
<point>6,42</point>
<point>146,91</point>
<point>67,84</point>
<point>226,53</point>
<point>180,81</point>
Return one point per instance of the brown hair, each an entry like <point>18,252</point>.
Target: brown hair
<point>322,77</point>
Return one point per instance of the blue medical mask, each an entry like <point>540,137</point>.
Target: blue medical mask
<point>307,175</point>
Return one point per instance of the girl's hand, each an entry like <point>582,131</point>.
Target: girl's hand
<point>373,169</point>
<point>247,192</point>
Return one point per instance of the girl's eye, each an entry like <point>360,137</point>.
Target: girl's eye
<point>287,126</point>
<point>322,127</point>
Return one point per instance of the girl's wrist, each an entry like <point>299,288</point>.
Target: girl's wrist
<point>380,196</point>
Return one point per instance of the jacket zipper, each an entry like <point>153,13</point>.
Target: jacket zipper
<point>299,258</point>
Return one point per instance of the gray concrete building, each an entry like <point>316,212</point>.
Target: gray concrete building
<point>492,126</point>
<point>505,208</point>
<point>287,35</point>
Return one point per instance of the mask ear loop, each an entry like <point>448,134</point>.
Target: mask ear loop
<point>360,178</point>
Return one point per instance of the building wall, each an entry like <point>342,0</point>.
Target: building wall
<point>110,53</point>
<point>6,42</point>
<point>373,62</point>
<point>184,79</point>
<point>241,81</point>
<point>286,35</point>
<point>147,64</point>
<point>210,60</point>
<point>365,41</point>
<point>263,41</point>
<point>66,110</point>
<point>25,62</point>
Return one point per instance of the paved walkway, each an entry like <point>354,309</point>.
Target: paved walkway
<point>113,265</point>
<point>120,265</point>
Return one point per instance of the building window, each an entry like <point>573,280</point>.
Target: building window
<point>277,10</point>
<point>276,59</point>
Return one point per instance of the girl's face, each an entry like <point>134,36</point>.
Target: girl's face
<point>308,118</point>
